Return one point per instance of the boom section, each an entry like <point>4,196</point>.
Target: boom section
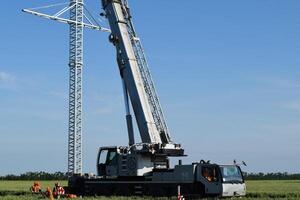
<point>153,99</point>
<point>130,71</point>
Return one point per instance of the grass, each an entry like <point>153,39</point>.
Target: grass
<point>289,186</point>
<point>23,186</point>
<point>277,189</point>
<point>19,190</point>
<point>257,190</point>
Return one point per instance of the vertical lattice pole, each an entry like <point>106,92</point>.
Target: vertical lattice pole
<point>75,90</point>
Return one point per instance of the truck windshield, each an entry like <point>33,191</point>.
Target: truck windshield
<point>231,174</point>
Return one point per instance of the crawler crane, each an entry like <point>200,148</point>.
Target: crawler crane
<point>144,169</point>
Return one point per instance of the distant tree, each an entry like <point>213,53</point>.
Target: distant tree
<point>63,176</point>
<point>36,176</point>
<point>271,176</point>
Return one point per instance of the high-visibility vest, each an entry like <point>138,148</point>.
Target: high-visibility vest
<point>59,191</point>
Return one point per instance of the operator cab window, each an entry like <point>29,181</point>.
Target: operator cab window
<point>103,156</point>
<point>111,157</point>
<point>210,173</point>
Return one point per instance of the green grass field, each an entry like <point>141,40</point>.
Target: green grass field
<point>289,189</point>
<point>19,190</point>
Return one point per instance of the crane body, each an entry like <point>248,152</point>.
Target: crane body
<point>139,168</point>
<point>144,168</point>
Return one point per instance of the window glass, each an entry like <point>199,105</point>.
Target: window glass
<point>231,173</point>
<point>112,158</point>
<point>210,173</point>
<point>103,156</point>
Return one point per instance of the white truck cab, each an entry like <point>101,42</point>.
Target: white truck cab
<point>225,180</point>
<point>233,183</point>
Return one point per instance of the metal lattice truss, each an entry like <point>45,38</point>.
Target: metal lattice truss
<point>75,88</point>
<point>76,19</point>
<point>152,96</point>
<point>90,23</point>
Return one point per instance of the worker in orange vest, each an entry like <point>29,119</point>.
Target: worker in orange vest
<point>36,188</point>
<point>49,194</point>
<point>58,191</point>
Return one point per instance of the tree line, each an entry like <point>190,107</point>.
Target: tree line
<point>64,176</point>
<point>36,176</point>
<point>271,176</point>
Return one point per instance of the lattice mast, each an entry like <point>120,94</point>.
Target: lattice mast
<point>77,13</point>
<point>75,87</point>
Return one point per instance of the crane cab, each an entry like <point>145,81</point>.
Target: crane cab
<point>122,162</point>
<point>226,180</point>
<point>107,164</point>
<point>233,183</point>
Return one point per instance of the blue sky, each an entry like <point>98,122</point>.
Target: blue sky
<point>227,73</point>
